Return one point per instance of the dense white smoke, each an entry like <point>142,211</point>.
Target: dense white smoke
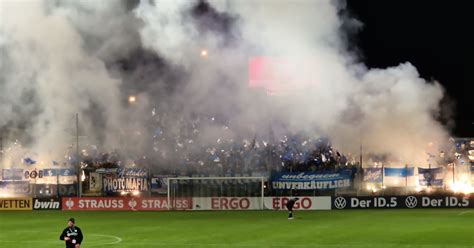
<point>60,58</point>
<point>391,111</point>
<point>48,77</point>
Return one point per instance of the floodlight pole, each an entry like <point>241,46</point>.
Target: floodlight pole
<point>78,163</point>
<point>431,178</point>
<point>1,145</point>
<point>262,196</point>
<point>360,173</point>
<point>406,178</point>
<point>454,166</point>
<point>383,177</point>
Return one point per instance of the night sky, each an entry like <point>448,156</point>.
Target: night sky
<point>435,36</point>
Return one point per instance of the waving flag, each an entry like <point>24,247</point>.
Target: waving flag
<point>430,176</point>
<point>398,176</point>
<point>29,161</point>
<point>373,175</point>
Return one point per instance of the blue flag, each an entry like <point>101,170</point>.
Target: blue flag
<point>399,172</point>
<point>29,161</point>
<point>430,176</point>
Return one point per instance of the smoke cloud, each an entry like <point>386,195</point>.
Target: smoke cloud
<point>59,58</point>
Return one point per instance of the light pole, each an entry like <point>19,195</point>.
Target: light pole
<point>78,162</point>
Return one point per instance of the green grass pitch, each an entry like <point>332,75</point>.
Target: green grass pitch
<point>353,228</point>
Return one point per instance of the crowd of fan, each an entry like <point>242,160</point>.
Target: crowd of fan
<point>185,147</point>
<point>460,153</point>
<point>181,148</point>
<point>453,152</point>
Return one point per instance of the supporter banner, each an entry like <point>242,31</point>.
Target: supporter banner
<point>399,177</point>
<point>12,174</point>
<point>16,203</point>
<point>255,203</point>
<point>126,179</point>
<point>122,203</point>
<point>310,180</point>
<point>373,175</point>
<point>32,175</point>
<point>46,204</point>
<point>15,187</point>
<point>399,172</point>
<point>66,175</point>
<point>95,182</point>
<point>430,176</point>
<point>159,183</point>
<point>51,176</point>
<point>390,202</point>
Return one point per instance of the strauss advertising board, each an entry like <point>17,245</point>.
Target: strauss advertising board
<point>408,202</point>
<point>122,203</point>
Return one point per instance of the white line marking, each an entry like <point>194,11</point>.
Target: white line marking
<point>170,244</point>
<point>158,244</point>
<point>116,240</point>
<point>465,212</point>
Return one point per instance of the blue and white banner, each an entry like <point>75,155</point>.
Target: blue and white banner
<point>51,176</point>
<point>41,176</point>
<point>15,187</point>
<point>311,180</point>
<point>398,177</point>
<point>159,183</point>
<point>12,174</point>
<point>373,175</point>
<point>430,176</point>
<point>399,172</point>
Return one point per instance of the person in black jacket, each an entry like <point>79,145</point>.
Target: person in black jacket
<point>72,235</point>
<point>289,206</point>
